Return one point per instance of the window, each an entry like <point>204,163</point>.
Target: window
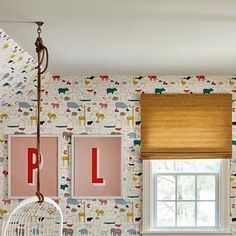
<point>186,195</point>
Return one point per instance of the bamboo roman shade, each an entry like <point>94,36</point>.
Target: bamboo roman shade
<point>179,126</point>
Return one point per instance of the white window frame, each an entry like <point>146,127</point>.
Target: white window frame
<point>224,205</point>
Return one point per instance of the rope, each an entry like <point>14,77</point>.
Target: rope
<point>41,51</point>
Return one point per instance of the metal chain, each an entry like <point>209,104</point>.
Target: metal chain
<point>41,50</point>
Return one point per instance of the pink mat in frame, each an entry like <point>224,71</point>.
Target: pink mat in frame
<point>19,164</point>
<point>106,159</point>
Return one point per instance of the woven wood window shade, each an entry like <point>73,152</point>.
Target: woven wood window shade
<point>186,126</point>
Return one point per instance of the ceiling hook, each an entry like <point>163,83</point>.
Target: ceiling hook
<point>39,24</point>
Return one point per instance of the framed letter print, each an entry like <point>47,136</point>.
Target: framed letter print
<point>23,166</point>
<point>97,166</point>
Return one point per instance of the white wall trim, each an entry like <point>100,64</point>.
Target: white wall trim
<point>224,224</point>
<point>147,196</point>
<point>186,233</point>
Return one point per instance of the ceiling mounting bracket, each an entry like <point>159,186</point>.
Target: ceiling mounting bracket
<point>39,23</point>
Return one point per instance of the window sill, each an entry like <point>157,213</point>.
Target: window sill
<point>186,233</point>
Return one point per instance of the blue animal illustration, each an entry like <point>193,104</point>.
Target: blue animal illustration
<point>1,159</point>
<point>121,105</point>
<point>234,142</point>
<point>24,105</point>
<point>73,105</point>
<point>137,142</point>
<point>132,231</point>
<point>83,231</point>
<point>72,201</point>
<point>159,90</point>
<point>208,90</point>
<point>111,90</point>
<point>4,104</point>
<point>131,135</point>
<point>120,201</point>
<point>62,90</point>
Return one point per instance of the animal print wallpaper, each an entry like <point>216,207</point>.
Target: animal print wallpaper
<point>96,104</point>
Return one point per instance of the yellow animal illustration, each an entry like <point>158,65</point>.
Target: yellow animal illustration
<point>86,82</point>
<point>232,179</point>
<point>134,178</point>
<point>12,56</point>
<point>5,46</point>
<point>66,158</point>
<point>100,115</point>
<point>33,119</point>
<point>131,117</point>
<point>52,116</point>
<point>183,81</point>
<point>83,117</point>
<point>3,212</point>
<point>51,212</point>
<point>135,82</point>
<point>231,82</point>
<point>4,116</point>
<point>20,58</point>
<point>100,212</point>
<point>82,214</point>
<point>130,214</point>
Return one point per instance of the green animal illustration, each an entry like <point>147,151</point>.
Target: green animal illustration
<point>159,90</point>
<point>208,90</point>
<point>111,90</point>
<point>62,90</point>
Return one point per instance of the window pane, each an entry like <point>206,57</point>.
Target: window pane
<point>165,187</point>
<point>186,193</point>
<point>206,165</point>
<point>186,187</point>
<point>165,214</point>
<point>206,214</point>
<point>163,166</point>
<point>206,187</point>
<point>186,214</point>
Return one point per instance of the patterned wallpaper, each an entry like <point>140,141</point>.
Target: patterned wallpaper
<point>111,107</point>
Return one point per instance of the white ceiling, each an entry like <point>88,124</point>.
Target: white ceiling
<point>128,36</point>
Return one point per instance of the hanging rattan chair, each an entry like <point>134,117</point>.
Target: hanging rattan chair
<point>33,218</point>
<point>37,215</point>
